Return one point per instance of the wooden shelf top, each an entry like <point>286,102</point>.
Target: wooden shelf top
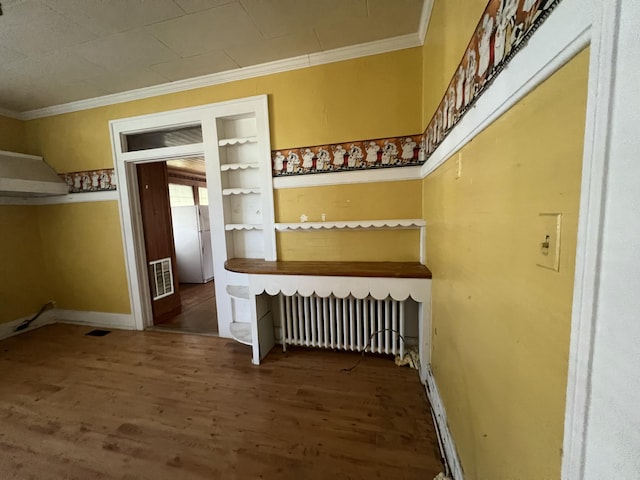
<point>329,269</point>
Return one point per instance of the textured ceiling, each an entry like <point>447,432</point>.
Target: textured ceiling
<point>58,51</point>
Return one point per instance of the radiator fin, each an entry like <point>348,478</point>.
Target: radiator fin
<point>343,323</point>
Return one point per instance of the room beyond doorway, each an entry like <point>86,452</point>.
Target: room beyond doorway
<point>198,314</point>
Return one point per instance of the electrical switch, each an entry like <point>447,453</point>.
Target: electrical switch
<point>548,238</point>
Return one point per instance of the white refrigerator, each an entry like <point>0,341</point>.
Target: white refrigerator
<point>192,240</point>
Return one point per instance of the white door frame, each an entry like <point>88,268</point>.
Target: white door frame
<point>591,225</point>
<point>130,216</point>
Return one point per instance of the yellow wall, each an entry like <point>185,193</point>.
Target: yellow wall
<point>12,135</point>
<point>363,201</point>
<point>23,288</point>
<point>84,256</point>
<point>451,26</point>
<point>23,283</point>
<point>500,323</point>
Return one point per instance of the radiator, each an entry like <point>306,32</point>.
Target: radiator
<point>343,323</point>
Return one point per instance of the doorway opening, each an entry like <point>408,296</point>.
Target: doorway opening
<point>189,207</point>
<point>177,239</point>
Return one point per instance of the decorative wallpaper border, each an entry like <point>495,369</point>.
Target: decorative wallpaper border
<point>504,28</point>
<point>90,180</point>
<point>358,155</point>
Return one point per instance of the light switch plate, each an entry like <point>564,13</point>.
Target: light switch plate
<point>548,240</point>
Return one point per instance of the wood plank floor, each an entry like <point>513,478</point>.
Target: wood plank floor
<point>198,310</point>
<point>148,405</point>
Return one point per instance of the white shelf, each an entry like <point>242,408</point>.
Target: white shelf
<point>239,191</point>
<point>242,226</point>
<point>241,332</point>
<point>407,223</point>
<point>238,291</point>
<point>223,142</point>
<point>238,166</point>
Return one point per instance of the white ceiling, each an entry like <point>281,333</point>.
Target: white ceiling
<point>59,51</point>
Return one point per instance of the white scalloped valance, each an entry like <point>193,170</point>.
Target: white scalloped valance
<point>359,287</point>
<point>242,226</point>
<point>223,142</point>
<point>238,166</point>
<point>395,223</point>
<point>239,191</point>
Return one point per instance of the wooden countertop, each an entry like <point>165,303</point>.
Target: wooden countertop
<point>329,269</point>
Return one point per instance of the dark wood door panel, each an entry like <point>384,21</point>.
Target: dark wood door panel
<point>158,231</point>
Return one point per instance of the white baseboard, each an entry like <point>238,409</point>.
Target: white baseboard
<point>444,435</point>
<point>122,321</point>
<point>9,329</point>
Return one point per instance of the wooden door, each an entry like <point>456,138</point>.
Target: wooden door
<point>158,233</point>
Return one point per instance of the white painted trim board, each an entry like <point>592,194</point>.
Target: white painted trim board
<point>442,427</point>
<point>122,321</point>
<point>88,197</point>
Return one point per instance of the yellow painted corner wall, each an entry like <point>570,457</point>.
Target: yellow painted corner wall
<point>12,135</point>
<point>370,97</point>
<point>23,288</point>
<point>360,201</point>
<point>451,26</point>
<point>83,252</point>
<point>501,324</point>
<point>23,283</point>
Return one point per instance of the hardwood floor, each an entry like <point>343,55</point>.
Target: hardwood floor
<point>146,405</point>
<point>198,310</point>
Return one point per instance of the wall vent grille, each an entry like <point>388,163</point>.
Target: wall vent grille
<point>161,278</point>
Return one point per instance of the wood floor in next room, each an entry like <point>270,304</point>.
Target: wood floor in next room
<point>198,310</point>
<point>147,405</point>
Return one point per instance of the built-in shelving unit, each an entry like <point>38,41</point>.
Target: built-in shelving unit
<point>245,173</point>
<point>241,201</point>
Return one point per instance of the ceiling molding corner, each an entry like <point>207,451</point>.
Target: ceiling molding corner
<point>425,17</point>
<point>10,114</point>
<point>278,66</point>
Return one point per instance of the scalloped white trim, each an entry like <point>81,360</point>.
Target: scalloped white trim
<point>242,226</point>
<point>396,223</point>
<point>236,141</point>
<point>239,191</point>
<point>238,166</point>
<point>379,288</point>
